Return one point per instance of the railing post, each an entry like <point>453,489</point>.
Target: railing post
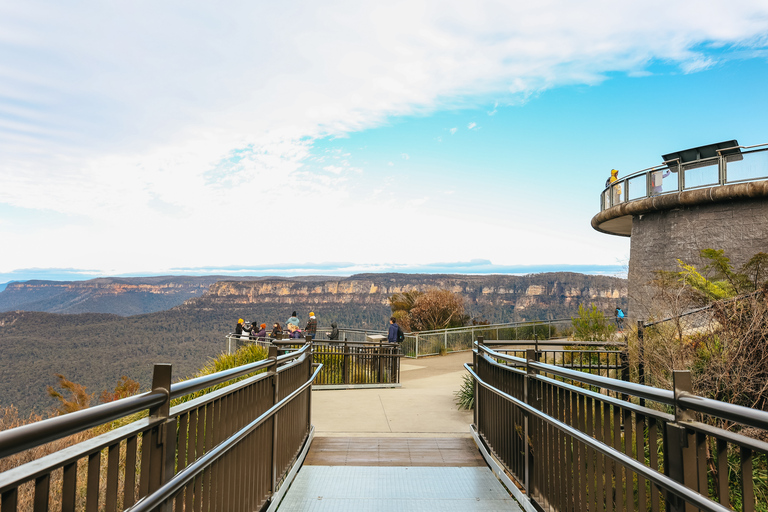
<point>311,368</point>
<point>417,345</point>
<point>679,445</point>
<point>445,343</point>
<point>722,171</point>
<point>346,362</point>
<point>159,444</point>
<point>641,356</point>
<point>380,351</point>
<point>475,364</point>
<point>275,399</point>
<point>530,396</point>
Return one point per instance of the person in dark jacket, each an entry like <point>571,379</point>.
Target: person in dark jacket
<point>394,335</point>
<point>277,331</point>
<point>262,334</point>
<point>311,327</point>
<point>239,327</point>
<point>334,334</point>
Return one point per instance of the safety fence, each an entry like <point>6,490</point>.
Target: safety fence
<point>608,359</point>
<point>731,165</point>
<point>460,339</point>
<point>575,441</point>
<point>441,341</point>
<point>224,441</point>
<point>347,364</point>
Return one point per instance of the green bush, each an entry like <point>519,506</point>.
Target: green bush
<point>465,396</point>
<point>244,355</point>
<point>591,325</point>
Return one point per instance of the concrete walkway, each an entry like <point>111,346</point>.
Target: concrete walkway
<point>423,407</point>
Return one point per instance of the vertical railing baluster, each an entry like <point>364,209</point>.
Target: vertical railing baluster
<point>747,484</point>
<point>42,492</point>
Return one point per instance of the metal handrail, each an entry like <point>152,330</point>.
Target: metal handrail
<point>186,475</point>
<point>657,478</point>
<point>526,323</point>
<point>724,410</point>
<point>192,385</point>
<point>666,165</point>
<point>21,438</point>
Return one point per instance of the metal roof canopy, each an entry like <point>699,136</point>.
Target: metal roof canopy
<point>701,152</point>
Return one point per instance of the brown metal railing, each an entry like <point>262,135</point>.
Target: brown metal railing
<point>358,364</point>
<point>232,446</point>
<point>571,447</point>
<point>608,359</point>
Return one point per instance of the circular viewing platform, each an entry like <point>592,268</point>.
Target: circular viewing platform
<point>710,174</point>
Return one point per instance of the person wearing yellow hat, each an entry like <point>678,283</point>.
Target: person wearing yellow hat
<point>616,191</point>
<point>311,327</point>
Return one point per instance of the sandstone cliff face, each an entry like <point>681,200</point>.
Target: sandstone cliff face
<point>122,296</point>
<point>518,292</point>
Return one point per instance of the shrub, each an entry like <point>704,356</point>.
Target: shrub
<point>591,325</point>
<point>465,396</point>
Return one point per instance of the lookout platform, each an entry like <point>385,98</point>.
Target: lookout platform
<point>397,449</point>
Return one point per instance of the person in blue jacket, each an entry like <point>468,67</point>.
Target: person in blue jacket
<point>620,319</point>
<point>395,334</point>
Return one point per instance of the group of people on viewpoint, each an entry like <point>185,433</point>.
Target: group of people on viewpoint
<point>258,332</point>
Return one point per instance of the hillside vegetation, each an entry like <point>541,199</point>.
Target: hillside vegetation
<point>96,349</point>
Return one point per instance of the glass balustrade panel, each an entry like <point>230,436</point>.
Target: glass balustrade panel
<point>747,166</point>
<point>702,173</point>
<point>663,181</point>
<point>636,187</point>
<point>617,193</point>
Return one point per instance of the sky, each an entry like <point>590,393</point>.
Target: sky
<point>288,138</point>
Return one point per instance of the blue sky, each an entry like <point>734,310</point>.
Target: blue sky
<point>420,136</point>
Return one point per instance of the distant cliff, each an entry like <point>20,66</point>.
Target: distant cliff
<point>494,297</point>
<point>120,296</point>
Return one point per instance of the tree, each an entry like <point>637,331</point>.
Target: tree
<point>725,343</point>
<point>591,325</point>
<point>125,387</point>
<point>77,399</point>
<point>425,311</point>
<point>719,280</point>
<point>438,309</point>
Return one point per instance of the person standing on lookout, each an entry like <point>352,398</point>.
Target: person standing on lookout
<point>620,319</point>
<point>311,328</point>
<point>395,334</point>
<point>616,190</point>
<point>293,320</point>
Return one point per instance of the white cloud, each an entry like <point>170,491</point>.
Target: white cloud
<point>471,126</point>
<point>405,156</point>
<point>147,123</point>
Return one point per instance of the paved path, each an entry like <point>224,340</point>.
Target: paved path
<point>404,449</point>
<point>406,489</point>
<point>423,407</point>
<point>394,451</point>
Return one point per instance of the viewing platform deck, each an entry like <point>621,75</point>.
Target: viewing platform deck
<point>717,173</point>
